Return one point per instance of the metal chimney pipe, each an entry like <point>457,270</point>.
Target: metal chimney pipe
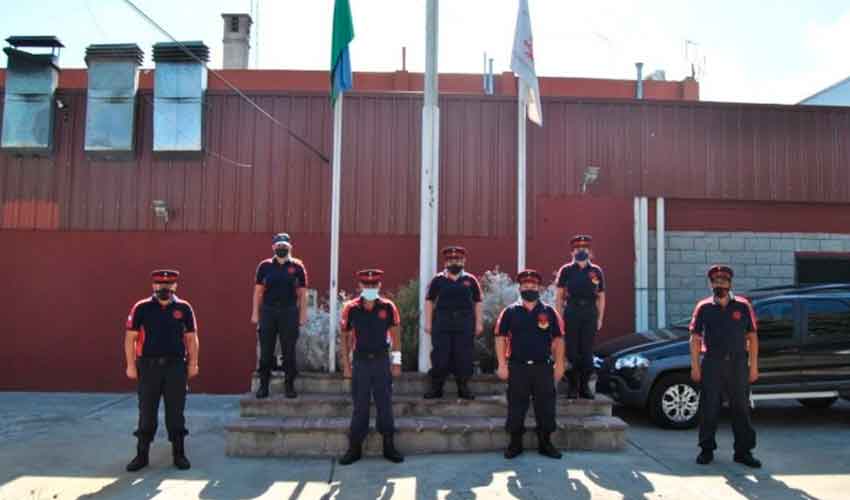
<point>484,80</point>
<point>491,79</point>
<point>639,85</point>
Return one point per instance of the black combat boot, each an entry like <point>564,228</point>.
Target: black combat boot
<point>436,390</point>
<point>178,451</point>
<point>463,391</point>
<point>390,453</point>
<point>584,387</point>
<point>572,385</point>
<point>141,460</point>
<point>290,387</point>
<point>354,453</point>
<point>747,459</point>
<point>545,446</point>
<point>515,446</point>
<point>705,457</point>
<point>263,390</point>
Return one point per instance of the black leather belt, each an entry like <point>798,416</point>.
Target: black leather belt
<point>161,360</point>
<point>729,356</point>
<point>361,356</point>
<point>532,362</point>
<point>280,305</point>
<point>455,314</point>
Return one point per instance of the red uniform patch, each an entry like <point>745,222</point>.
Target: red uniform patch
<point>177,314</point>
<point>736,315</point>
<point>467,283</point>
<point>382,314</point>
<point>291,270</point>
<point>543,321</point>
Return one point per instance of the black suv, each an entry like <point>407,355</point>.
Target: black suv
<point>804,340</point>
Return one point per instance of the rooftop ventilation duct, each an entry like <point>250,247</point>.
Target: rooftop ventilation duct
<point>113,80</point>
<point>180,82</point>
<point>31,81</point>
<point>237,41</point>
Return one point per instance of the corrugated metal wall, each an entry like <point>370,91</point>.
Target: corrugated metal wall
<point>256,179</point>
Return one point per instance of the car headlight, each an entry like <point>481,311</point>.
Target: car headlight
<point>598,362</point>
<point>631,361</point>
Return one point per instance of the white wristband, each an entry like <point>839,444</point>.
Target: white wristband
<point>395,357</point>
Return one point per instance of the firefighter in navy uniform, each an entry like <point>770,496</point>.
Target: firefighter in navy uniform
<point>530,352</point>
<point>453,314</point>
<point>580,296</point>
<point>279,310</point>
<point>161,348</point>
<point>723,329</point>
<point>370,333</point>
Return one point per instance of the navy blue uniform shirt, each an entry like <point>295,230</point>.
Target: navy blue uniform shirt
<point>723,329</point>
<point>281,281</point>
<point>454,295</point>
<point>529,332</point>
<point>161,327</point>
<point>581,282</point>
<point>370,328</point>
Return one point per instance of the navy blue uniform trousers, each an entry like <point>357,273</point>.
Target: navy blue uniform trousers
<point>371,378</point>
<point>581,319</point>
<point>161,378</point>
<point>527,382</point>
<point>452,344</point>
<point>278,322</point>
<point>729,374</point>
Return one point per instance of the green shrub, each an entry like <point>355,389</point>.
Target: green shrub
<point>406,299</point>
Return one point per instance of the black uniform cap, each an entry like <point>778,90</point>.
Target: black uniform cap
<point>370,276</point>
<point>165,276</point>
<point>581,239</point>
<point>720,271</point>
<point>529,276</point>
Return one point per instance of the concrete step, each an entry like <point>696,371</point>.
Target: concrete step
<point>307,436</point>
<point>340,405</point>
<point>407,383</point>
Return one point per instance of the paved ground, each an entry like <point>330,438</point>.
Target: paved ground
<point>58,446</point>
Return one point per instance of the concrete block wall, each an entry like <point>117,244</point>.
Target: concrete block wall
<point>759,260</point>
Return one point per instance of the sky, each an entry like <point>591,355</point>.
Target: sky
<point>745,50</point>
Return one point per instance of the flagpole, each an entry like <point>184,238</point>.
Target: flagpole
<point>335,188</point>
<point>429,177</point>
<point>521,173</point>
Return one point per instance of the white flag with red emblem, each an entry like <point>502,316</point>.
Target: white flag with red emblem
<point>522,64</point>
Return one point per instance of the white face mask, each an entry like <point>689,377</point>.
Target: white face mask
<point>369,293</point>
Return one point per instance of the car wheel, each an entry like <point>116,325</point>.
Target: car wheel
<point>817,403</point>
<point>674,402</point>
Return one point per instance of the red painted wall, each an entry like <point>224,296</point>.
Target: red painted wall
<point>696,150</point>
<point>67,294</point>
<point>718,215</point>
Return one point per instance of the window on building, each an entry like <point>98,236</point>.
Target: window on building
<point>828,318</point>
<point>234,24</point>
<point>776,320</point>
<point>817,268</point>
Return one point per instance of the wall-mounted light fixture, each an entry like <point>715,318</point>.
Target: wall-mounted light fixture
<point>160,209</point>
<point>591,174</point>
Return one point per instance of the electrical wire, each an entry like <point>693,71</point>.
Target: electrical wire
<point>231,86</point>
